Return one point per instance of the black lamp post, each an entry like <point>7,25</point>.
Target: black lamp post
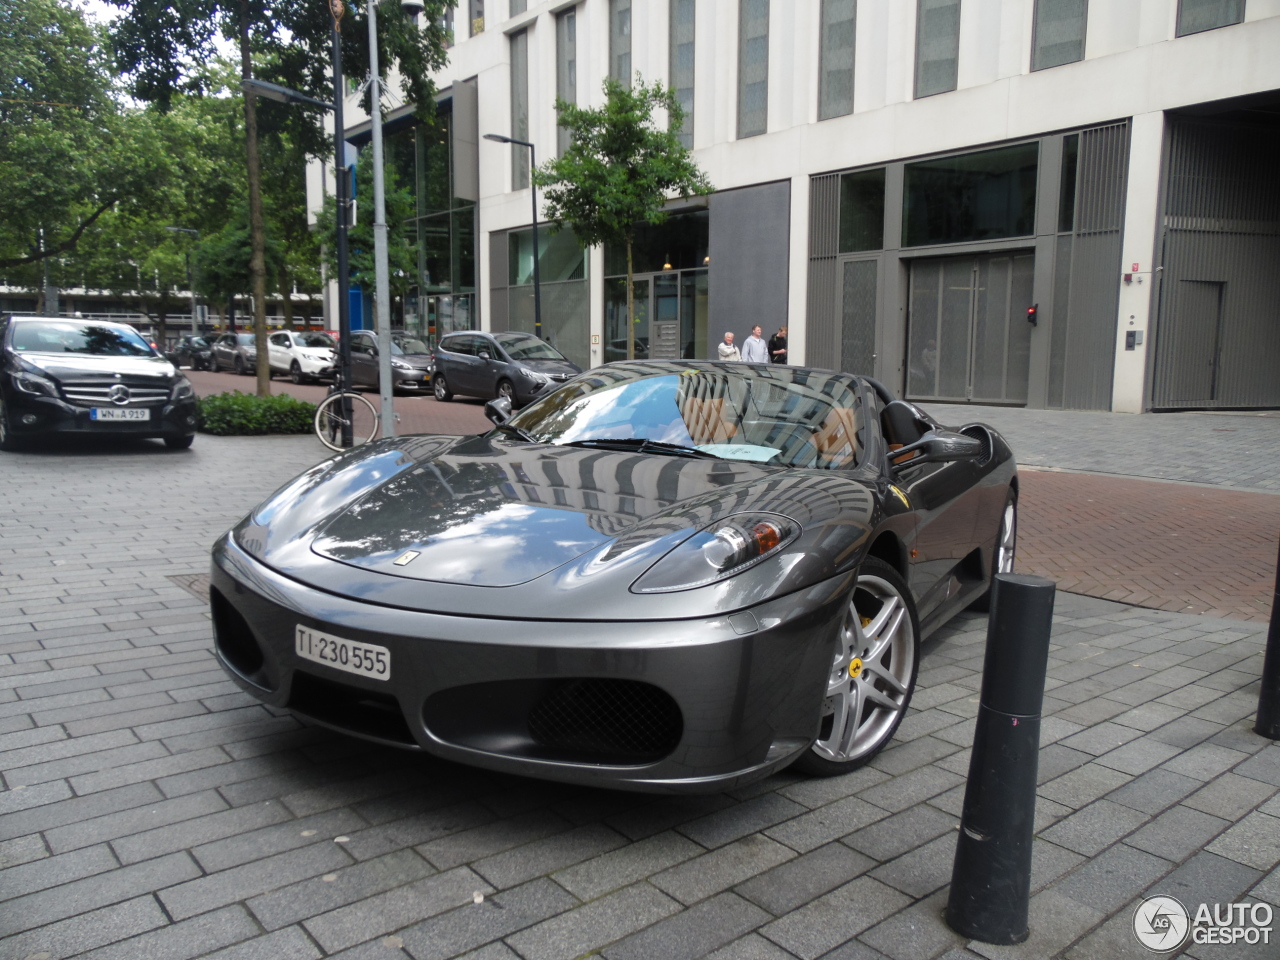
<point>537,285</point>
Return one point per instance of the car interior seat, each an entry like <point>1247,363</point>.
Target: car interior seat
<point>900,426</point>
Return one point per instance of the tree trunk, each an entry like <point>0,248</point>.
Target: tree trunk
<point>286,304</point>
<point>631,307</point>
<point>257,230</point>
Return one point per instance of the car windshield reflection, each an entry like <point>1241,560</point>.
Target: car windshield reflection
<point>789,417</point>
<point>96,340</point>
<point>529,348</point>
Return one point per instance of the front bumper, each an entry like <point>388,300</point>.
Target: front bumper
<point>415,379</point>
<point>37,416</point>
<point>747,688</point>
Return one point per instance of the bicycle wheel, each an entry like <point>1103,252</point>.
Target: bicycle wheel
<point>330,420</point>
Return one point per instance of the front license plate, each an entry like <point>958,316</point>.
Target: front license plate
<point>364,659</point>
<point>109,413</point>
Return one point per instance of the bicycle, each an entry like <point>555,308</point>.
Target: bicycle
<point>340,408</point>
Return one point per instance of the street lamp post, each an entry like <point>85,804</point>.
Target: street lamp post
<point>537,285</point>
<point>191,277</point>
<point>381,271</point>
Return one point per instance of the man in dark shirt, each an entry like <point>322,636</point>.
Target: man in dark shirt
<point>778,346</point>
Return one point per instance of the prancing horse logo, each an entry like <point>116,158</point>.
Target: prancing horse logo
<point>118,393</point>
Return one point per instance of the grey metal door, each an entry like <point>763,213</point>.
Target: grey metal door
<point>1195,339</point>
<point>968,338</point>
<point>858,317</point>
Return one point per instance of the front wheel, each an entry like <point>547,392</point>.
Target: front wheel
<point>1005,551</point>
<point>507,391</point>
<point>440,388</point>
<point>873,673</point>
<point>241,369</point>
<point>179,443</point>
<point>331,418</point>
<point>8,442</point>
<point>214,367</point>
<point>295,373</point>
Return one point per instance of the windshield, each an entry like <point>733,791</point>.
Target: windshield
<point>529,348</point>
<point>318,341</point>
<point>69,336</point>
<point>198,342</point>
<point>410,345</point>
<point>787,417</point>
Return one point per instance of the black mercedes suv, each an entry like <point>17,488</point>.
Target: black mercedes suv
<point>64,376</point>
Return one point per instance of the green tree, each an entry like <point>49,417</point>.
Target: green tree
<point>157,41</point>
<point>68,153</point>
<point>619,169</point>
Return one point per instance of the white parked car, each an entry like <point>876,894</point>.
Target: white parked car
<point>304,355</point>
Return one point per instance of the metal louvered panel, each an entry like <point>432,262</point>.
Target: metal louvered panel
<point>822,331</point>
<point>1087,275</point>
<point>1217,340</point>
<point>858,317</point>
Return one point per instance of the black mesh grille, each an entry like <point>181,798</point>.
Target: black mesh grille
<point>980,433</point>
<point>234,637</point>
<point>614,720</point>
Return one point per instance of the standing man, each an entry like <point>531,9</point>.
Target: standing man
<point>778,346</point>
<point>727,350</point>
<point>754,349</point>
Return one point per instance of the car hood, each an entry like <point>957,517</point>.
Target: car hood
<point>484,525</point>
<point>552,367</point>
<point>419,361</point>
<point>63,365</point>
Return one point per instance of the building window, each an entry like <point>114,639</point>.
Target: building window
<point>517,6</point>
<point>1059,32</point>
<point>682,53</point>
<point>753,67</point>
<point>448,26</point>
<point>862,211</point>
<point>520,108</point>
<point>1196,16</point>
<point>566,66</point>
<point>987,195</point>
<point>620,41</point>
<point>835,87</point>
<point>937,46</point>
<point>1067,189</point>
<point>476,15</point>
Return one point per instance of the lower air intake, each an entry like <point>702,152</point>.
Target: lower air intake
<point>615,718</point>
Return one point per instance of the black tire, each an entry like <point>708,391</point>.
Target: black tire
<point>876,674</point>
<point>440,387</point>
<point>213,365</point>
<point>242,369</point>
<point>8,441</point>
<point>295,373</point>
<point>983,603</point>
<point>179,443</point>
<point>508,390</point>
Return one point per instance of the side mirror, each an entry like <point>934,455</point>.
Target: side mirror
<point>498,410</point>
<point>938,446</point>
<point>484,355</point>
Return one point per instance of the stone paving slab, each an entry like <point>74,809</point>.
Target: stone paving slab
<point>199,823</point>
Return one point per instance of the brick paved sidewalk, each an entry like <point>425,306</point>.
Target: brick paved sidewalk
<point>1171,546</point>
<point>151,810</point>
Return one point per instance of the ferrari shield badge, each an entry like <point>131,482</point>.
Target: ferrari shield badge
<point>407,558</point>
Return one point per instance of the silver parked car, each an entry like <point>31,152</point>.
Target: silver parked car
<point>235,351</point>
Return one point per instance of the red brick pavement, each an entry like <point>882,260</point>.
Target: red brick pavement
<point>1171,546</point>
<point>417,414</point>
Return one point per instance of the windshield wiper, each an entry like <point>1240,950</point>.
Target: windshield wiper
<point>522,434</point>
<point>644,446</point>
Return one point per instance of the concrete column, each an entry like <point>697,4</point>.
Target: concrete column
<point>595,299</point>
<point>1141,229</point>
<point>798,273</point>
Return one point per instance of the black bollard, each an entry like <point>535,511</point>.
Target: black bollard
<point>1269,697</point>
<point>991,879</point>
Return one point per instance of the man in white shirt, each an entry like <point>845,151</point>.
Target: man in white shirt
<point>727,350</point>
<point>754,349</point>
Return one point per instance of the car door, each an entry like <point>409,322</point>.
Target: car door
<point>489,367</point>
<point>225,351</point>
<point>364,367</point>
<point>278,355</point>
<point>457,362</point>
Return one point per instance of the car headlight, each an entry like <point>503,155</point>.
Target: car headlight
<point>182,390</point>
<point>718,551</point>
<point>30,383</point>
<point>537,378</point>
<point>401,365</point>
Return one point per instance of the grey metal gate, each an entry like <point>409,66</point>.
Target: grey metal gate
<point>1217,338</point>
<point>968,338</point>
<point>858,317</point>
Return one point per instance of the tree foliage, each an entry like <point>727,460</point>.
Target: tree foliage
<point>619,170</point>
<point>402,250</point>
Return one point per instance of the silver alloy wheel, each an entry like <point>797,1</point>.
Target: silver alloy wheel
<point>295,372</point>
<point>506,390</point>
<point>869,683</point>
<point>1007,543</point>
<point>4,425</point>
<point>440,388</point>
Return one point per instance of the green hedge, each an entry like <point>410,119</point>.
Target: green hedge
<point>242,414</point>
